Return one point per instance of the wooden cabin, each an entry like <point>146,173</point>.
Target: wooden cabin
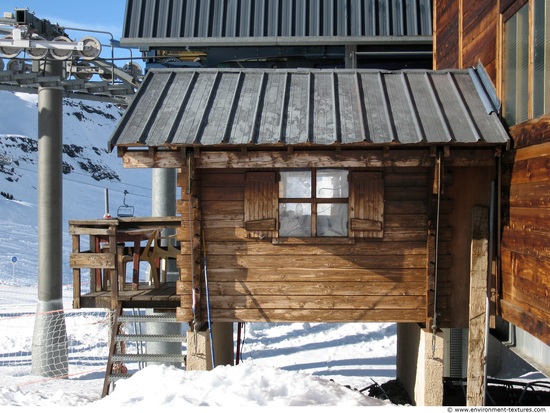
<point>315,195</point>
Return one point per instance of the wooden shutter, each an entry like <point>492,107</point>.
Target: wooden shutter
<point>366,205</point>
<point>261,204</point>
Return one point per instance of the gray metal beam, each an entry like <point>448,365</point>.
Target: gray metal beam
<point>151,43</point>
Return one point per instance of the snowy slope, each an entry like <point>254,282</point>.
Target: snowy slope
<point>88,169</point>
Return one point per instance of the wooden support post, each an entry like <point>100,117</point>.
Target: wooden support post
<point>190,235</point>
<point>475,395</point>
<point>113,273</point>
<point>95,273</point>
<point>77,280</point>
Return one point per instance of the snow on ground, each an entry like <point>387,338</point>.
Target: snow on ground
<point>291,364</point>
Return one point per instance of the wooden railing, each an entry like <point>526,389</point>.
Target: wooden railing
<point>113,243</point>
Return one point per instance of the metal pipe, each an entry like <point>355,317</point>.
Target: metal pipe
<point>106,214</point>
<point>436,264</point>
<point>491,245</point>
<point>164,184</point>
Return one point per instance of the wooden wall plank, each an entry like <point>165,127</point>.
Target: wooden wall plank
<point>517,315</point>
<point>529,171</point>
<point>529,195</point>
<point>319,315</point>
<point>534,244</point>
<point>324,315</point>
<point>534,133</point>
<point>376,275</point>
<point>329,290</point>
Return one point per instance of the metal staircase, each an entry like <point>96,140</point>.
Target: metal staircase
<point>120,340</point>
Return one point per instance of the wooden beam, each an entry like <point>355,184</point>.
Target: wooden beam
<point>305,158</point>
<point>475,395</point>
<point>192,217</point>
<point>531,132</point>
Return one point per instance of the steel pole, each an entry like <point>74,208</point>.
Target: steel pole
<point>164,184</point>
<point>49,347</point>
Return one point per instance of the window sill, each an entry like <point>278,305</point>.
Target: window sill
<point>314,241</point>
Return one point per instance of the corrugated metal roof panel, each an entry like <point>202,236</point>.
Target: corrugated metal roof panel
<point>182,20</point>
<point>211,107</point>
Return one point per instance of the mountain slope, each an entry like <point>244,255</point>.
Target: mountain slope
<point>88,169</point>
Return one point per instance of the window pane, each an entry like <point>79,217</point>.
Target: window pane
<point>295,220</point>
<point>541,69</point>
<point>516,60</point>
<point>295,184</point>
<point>332,220</point>
<point>332,183</point>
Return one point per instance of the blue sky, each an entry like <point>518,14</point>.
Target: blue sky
<point>97,15</point>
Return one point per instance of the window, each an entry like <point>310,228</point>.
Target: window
<point>314,203</point>
<point>541,65</point>
<point>526,71</point>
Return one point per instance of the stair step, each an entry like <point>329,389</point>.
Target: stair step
<point>119,376</point>
<point>153,358</point>
<point>144,318</point>
<point>164,338</point>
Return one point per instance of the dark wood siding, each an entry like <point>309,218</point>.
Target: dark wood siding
<point>252,278</point>
<point>367,204</point>
<point>446,32</point>
<point>525,294</point>
<point>479,35</point>
<point>466,33</point>
<point>260,206</point>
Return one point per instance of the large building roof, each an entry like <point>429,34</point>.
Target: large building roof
<point>251,107</point>
<point>180,23</point>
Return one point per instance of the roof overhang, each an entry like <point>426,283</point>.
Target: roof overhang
<point>227,109</point>
<point>271,41</point>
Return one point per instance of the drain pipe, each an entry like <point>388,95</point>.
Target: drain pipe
<point>490,256</point>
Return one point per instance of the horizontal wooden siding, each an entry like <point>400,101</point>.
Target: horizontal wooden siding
<point>525,294</point>
<point>364,280</point>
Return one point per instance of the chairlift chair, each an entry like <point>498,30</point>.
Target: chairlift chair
<point>125,210</point>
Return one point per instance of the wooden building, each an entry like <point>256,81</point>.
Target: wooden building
<point>510,38</point>
<point>318,195</point>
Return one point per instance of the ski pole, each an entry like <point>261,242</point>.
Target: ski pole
<point>208,303</point>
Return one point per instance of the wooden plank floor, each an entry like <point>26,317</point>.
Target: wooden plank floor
<point>146,296</point>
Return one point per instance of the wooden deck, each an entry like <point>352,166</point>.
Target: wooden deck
<point>146,296</point>
<point>101,261</point>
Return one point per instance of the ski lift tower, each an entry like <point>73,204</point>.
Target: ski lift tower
<point>50,59</point>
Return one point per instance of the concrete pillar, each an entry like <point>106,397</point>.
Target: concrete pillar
<point>49,347</point>
<point>420,364</point>
<point>198,347</point>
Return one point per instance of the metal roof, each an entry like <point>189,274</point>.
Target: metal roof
<point>212,107</point>
<point>180,23</point>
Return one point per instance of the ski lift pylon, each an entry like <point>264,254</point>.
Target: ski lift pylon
<point>125,210</point>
